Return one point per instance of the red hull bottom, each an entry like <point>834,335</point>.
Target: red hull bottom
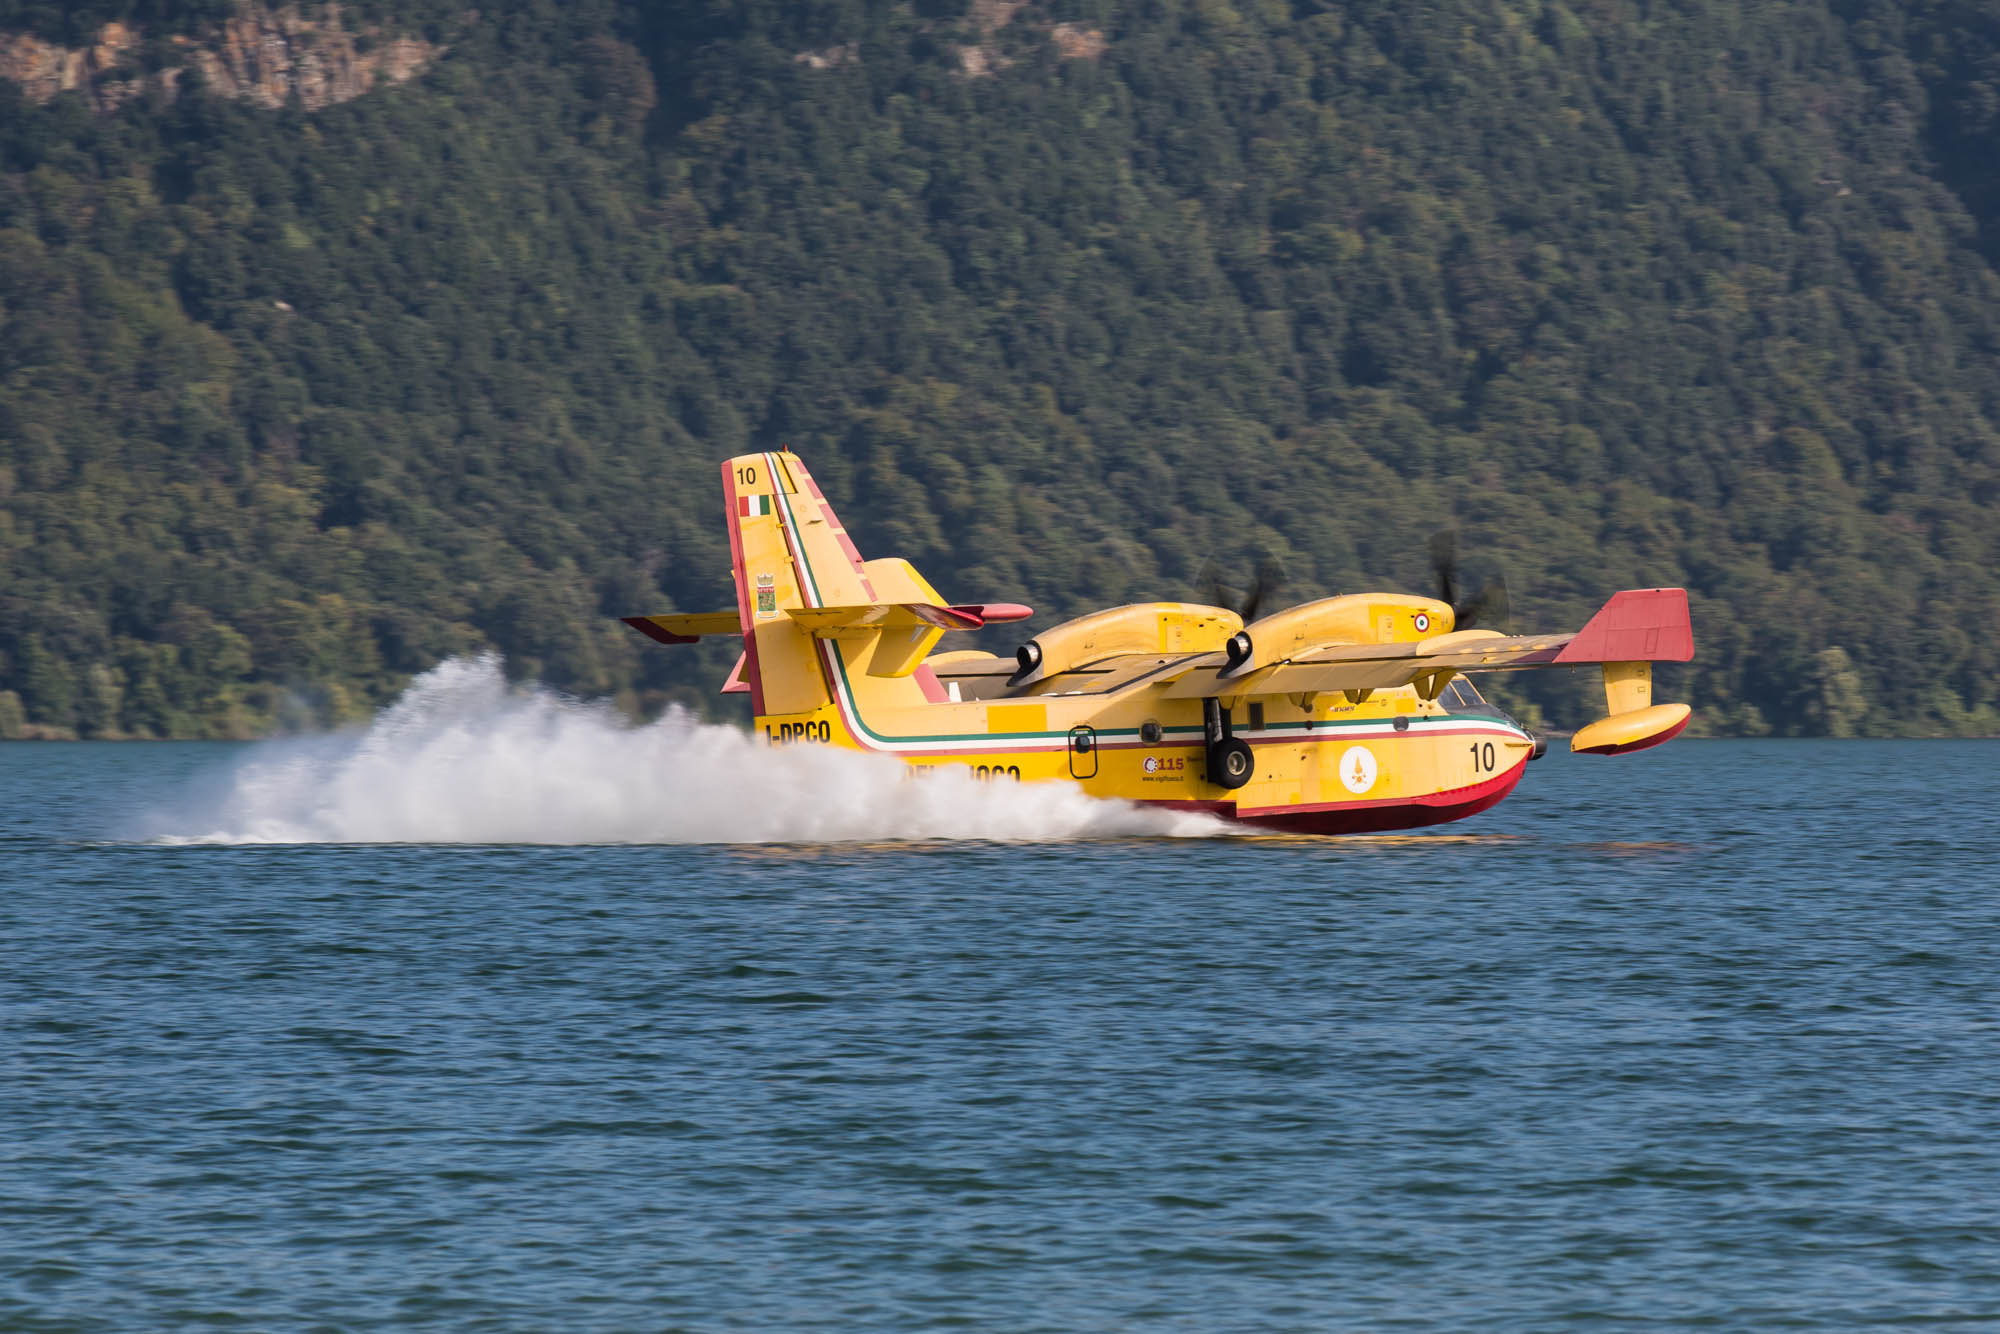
<point>1376,817</point>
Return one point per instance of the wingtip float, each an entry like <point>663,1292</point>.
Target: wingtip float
<point>1345,715</point>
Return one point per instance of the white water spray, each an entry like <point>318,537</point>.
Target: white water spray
<point>463,757</point>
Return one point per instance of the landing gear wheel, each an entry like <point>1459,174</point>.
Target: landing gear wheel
<point>1230,763</point>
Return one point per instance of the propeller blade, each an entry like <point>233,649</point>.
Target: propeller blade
<point>1269,579</point>
<point>1266,581</point>
<point>1209,581</point>
<point>1490,604</point>
<point>1444,563</point>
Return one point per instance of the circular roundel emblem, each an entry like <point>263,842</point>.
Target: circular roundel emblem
<point>1423,622</point>
<point>1152,765</point>
<point>1357,769</point>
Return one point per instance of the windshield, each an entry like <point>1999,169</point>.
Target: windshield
<point>1461,694</point>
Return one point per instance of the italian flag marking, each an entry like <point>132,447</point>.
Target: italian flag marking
<point>752,506</point>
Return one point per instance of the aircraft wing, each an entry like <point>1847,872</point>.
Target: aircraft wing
<point>1637,625</point>
<point>1367,666</point>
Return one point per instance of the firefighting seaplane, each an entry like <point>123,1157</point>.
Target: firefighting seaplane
<point>1343,715</point>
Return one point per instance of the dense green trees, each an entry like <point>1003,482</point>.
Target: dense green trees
<point>292,405</point>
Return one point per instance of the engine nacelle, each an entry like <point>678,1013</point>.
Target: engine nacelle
<point>1353,618</point>
<point>1141,627</point>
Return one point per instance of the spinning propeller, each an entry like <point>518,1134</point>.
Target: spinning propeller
<point>1268,579</point>
<point>1489,604</point>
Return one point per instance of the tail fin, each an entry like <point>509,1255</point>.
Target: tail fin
<point>789,552</point>
<point>800,579</point>
<point>808,606</point>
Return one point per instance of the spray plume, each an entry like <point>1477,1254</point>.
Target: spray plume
<point>462,757</point>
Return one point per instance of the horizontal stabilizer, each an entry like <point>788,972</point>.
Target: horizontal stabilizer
<point>992,613</point>
<point>685,628</point>
<point>883,616</point>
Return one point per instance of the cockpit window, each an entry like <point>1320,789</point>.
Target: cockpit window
<point>1460,693</point>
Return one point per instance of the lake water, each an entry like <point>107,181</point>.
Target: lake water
<point>1704,1037</point>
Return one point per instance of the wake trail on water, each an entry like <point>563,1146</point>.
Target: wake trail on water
<point>464,757</point>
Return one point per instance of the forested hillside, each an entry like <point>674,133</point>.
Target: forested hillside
<point>1060,300</point>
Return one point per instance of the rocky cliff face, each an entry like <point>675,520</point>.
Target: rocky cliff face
<point>44,69</point>
<point>262,55</point>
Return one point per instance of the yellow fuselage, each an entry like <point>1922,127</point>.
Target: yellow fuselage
<point>1393,761</point>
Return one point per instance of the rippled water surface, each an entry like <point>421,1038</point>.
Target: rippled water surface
<point>1699,1038</point>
